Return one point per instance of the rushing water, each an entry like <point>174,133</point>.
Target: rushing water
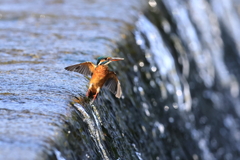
<point>180,80</point>
<point>202,37</point>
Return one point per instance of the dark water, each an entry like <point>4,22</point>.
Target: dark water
<point>180,80</point>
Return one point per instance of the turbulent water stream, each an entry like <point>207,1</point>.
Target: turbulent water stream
<point>180,80</point>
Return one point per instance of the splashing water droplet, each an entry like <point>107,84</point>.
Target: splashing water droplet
<point>171,119</point>
<point>154,69</point>
<point>141,64</point>
<point>152,3</point>
<point>166,108</point>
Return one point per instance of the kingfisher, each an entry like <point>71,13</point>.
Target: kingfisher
<point>101,76</point>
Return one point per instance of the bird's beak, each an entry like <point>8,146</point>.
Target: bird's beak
<point>116,59</point>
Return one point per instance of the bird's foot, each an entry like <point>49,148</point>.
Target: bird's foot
<point>88,92</point>
<point>95,96</point>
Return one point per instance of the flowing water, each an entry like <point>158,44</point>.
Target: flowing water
<point>180,80</point>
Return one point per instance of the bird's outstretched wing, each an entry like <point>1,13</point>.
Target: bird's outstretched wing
<point>113,84</point>
<point>85,68</point>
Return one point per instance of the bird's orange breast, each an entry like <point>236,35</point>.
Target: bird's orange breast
<point>99,76</point>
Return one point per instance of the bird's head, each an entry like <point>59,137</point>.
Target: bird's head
<point>107,60</point>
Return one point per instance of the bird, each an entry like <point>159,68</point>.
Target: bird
<point>101,76</point>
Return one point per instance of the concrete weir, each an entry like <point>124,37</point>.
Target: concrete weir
<point>37,40</point>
